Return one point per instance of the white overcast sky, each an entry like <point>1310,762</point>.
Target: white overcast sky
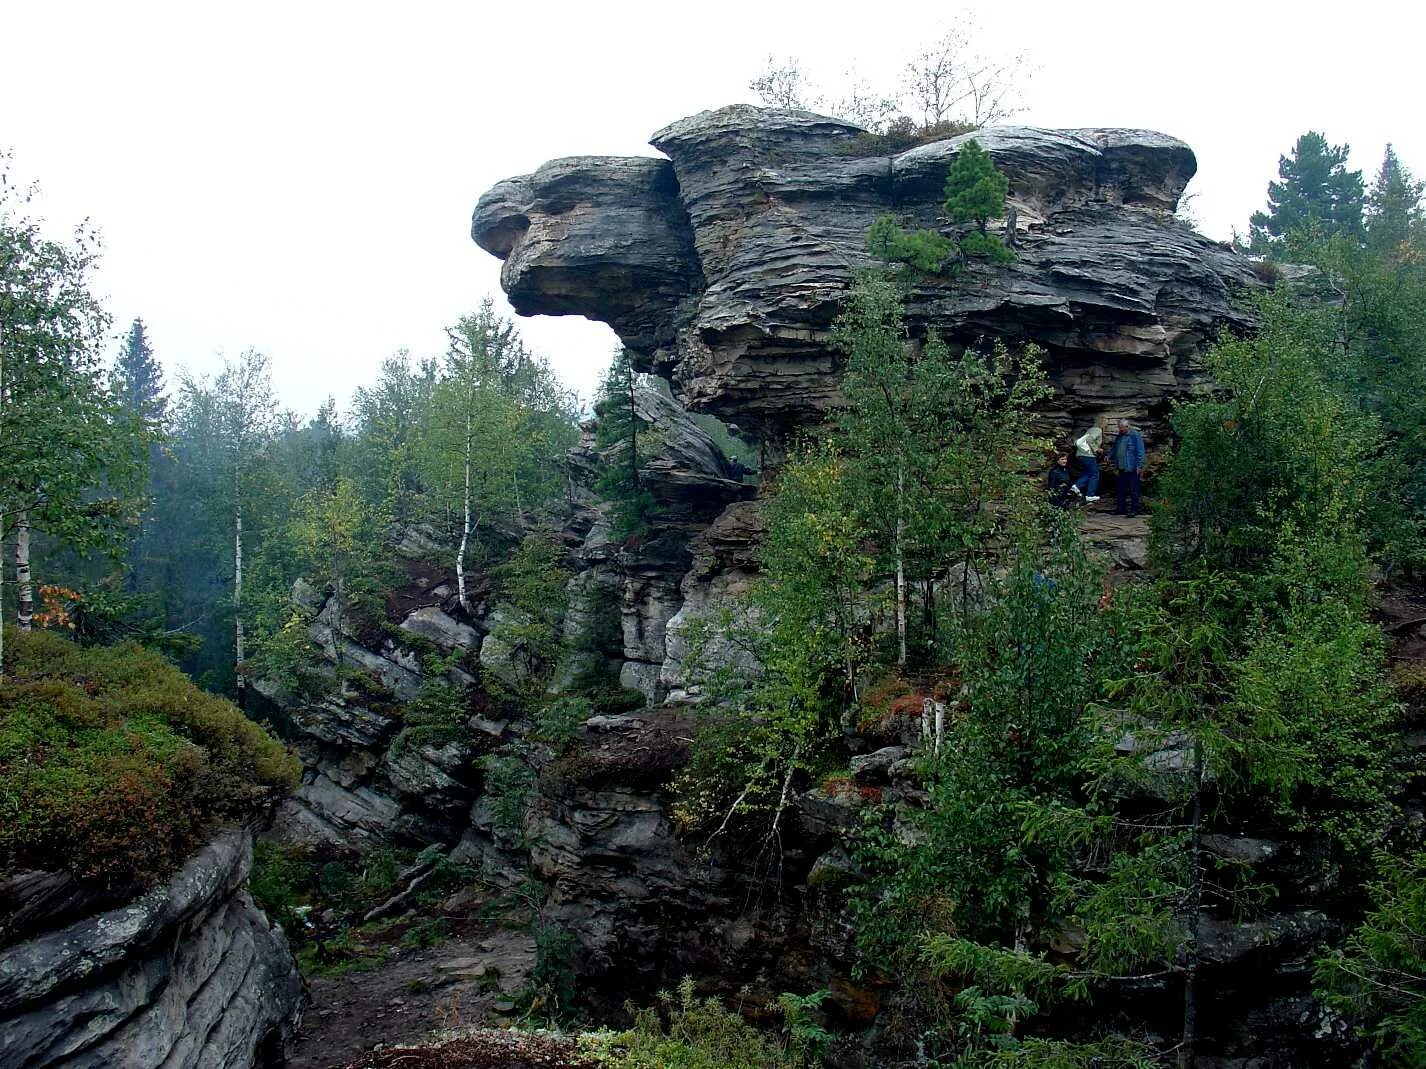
<point>299,176</point>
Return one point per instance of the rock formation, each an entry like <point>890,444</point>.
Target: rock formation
<point>722,266</point>
<point>363,782</point>
<point>189,975</point>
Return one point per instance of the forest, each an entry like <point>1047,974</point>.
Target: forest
<point>188,565</point>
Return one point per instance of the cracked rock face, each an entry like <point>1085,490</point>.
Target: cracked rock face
<point>189,975</point>
<point>723,265</point>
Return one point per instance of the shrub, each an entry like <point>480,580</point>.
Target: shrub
<point>975,193</point>
<point>559,720</point>
<point>115,766</point>
<point>1378,977</point>
<point>509,783</point>
<point>280,876</point>
<point>702,1034</point>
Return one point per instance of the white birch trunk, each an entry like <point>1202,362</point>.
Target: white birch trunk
<point>900,565</point>
<point>465,525</point>
<point>24,586</point>
<point>2,594</point>
<point>240,682</point>
<point>337,596</point>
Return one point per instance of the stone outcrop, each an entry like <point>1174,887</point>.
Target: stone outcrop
<point>723,265</point>
<point>691,481</point>
<point>363,782</point>
<point>189,975</point>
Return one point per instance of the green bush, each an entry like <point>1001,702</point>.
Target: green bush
<point>559,720</point>
<point>509,784</point>
<point>1378,977</point>
<point>702,1034</point>
<point>975,193</point>
<point>115,766</point>
<point>279,881</point>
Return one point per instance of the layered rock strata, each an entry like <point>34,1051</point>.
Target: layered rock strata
<point>190,975</point>
<point>723,265</point>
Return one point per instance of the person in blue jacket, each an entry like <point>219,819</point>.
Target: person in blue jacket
<point>1128,453</point>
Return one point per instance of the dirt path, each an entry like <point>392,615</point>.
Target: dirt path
<point>462,982</point>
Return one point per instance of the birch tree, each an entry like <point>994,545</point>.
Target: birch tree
<point>938,437</point>
<point>498,426</point>
<point>226,427</point>
<point>247,412</point>
<point>69,467</point>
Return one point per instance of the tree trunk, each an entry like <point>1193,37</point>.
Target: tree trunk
<point>465,524</point>
<point>239,683</point>
<point>24,586</point>
<point>1187,1051</point>
<point>337,594</point>
<point>633,435</point>
<point>900,565</point>
<point>2,594</point>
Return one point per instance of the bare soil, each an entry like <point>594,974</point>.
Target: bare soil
<point>464,982</point>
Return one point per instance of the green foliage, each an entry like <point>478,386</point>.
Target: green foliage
<point>975,193</point>
<point>1361,318</point>
<point>435,716</point>
<point>1031,663</point>
<point>805,631</point>
<point>702,1034</point>
<point>975,189</point>
<point>1377,978</point>
<point>280,877</point>
<point>559,720</point>
<point>550,989</point>
<point>427,933</point>
<point>927,251</point>
<point>1314,189</point>
<point>1281,446</point>
<point>618,434</point>
<point>534,582</point>
<point>1394,218</point>
<point>509,786</point>
<point>75,454</point>
<point>113,765</point>
<point>1112,1052</point>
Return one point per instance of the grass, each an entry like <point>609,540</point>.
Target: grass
<point>115,766</point>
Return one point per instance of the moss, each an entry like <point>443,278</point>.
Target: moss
<point>113,765</point>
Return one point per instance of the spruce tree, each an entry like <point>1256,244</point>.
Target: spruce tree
<point>137,378</point>
<point>1393,215</point>
<point>1314,191</point>
<point>619,428</point>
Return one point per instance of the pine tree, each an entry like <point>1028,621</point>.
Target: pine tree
<point>1314,190</point>
<point>975,193</point>
<point>1393,215</point>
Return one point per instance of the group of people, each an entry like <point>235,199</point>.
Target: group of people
<point>1082,484</point>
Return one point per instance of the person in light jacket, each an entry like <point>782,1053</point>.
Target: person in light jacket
<point>1128,453</point>
<point>1086,455</point>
